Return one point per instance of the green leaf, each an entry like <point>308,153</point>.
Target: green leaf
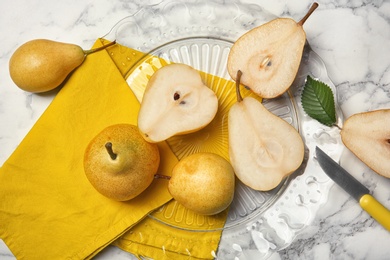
<point>318,101</point>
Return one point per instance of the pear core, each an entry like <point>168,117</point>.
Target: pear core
<point>119,163</point>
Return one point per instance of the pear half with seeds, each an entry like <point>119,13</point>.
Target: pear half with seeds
<point>367,135</point>
<point>269,55</point>
<point>263,148</point>
<point>176,101</point>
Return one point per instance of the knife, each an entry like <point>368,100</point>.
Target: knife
<point>357,190</point>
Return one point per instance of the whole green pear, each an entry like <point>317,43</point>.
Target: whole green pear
<point>41,65</point>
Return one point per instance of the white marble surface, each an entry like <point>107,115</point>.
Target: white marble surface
<point>353,39</point>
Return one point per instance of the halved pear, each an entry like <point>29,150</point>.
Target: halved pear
<point>176,101</point>
<point>367,135</point>
<point>263,148</point>
<point>269,55</point>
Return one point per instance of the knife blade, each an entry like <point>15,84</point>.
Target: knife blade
<point>357,190</point>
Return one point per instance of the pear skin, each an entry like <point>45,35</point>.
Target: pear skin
<point>367,135</point>
<point>119,163</point>
<point>41,65</point>
<point>203,182</point>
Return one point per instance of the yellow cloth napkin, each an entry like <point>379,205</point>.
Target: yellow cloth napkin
<point>48,209</point>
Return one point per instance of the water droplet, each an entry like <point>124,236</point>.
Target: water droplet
<point>261,243</point>
<point>237,247</point>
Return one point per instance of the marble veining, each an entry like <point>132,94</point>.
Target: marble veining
<point>352,38</point>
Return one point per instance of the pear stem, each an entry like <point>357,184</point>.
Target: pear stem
<point>110,151</point>
<point>238,83</point>
<point>336,125</point>
<point>311,10</point>
<point>87,52</point>
<point>161,176</point>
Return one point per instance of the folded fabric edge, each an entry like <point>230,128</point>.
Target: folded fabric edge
<point>103,246</point>
<point>158,253</point>
<point>154,239</point>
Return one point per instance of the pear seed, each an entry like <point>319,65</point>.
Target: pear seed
<point>176,96</point>
<point>266,62</point>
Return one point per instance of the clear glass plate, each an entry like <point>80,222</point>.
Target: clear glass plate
<point>200,34</point>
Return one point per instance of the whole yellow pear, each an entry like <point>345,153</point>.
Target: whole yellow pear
<point>203,182</point>
<point>119,163</point>
<point>41,65</point>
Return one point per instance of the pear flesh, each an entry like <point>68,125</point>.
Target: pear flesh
<point>367,135</point>
<point>203,182</point>
<point>119,163</point>
<point>269,56</point>
<point>263,148</point>
<point>175,101</point>
<point>41,65</point>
